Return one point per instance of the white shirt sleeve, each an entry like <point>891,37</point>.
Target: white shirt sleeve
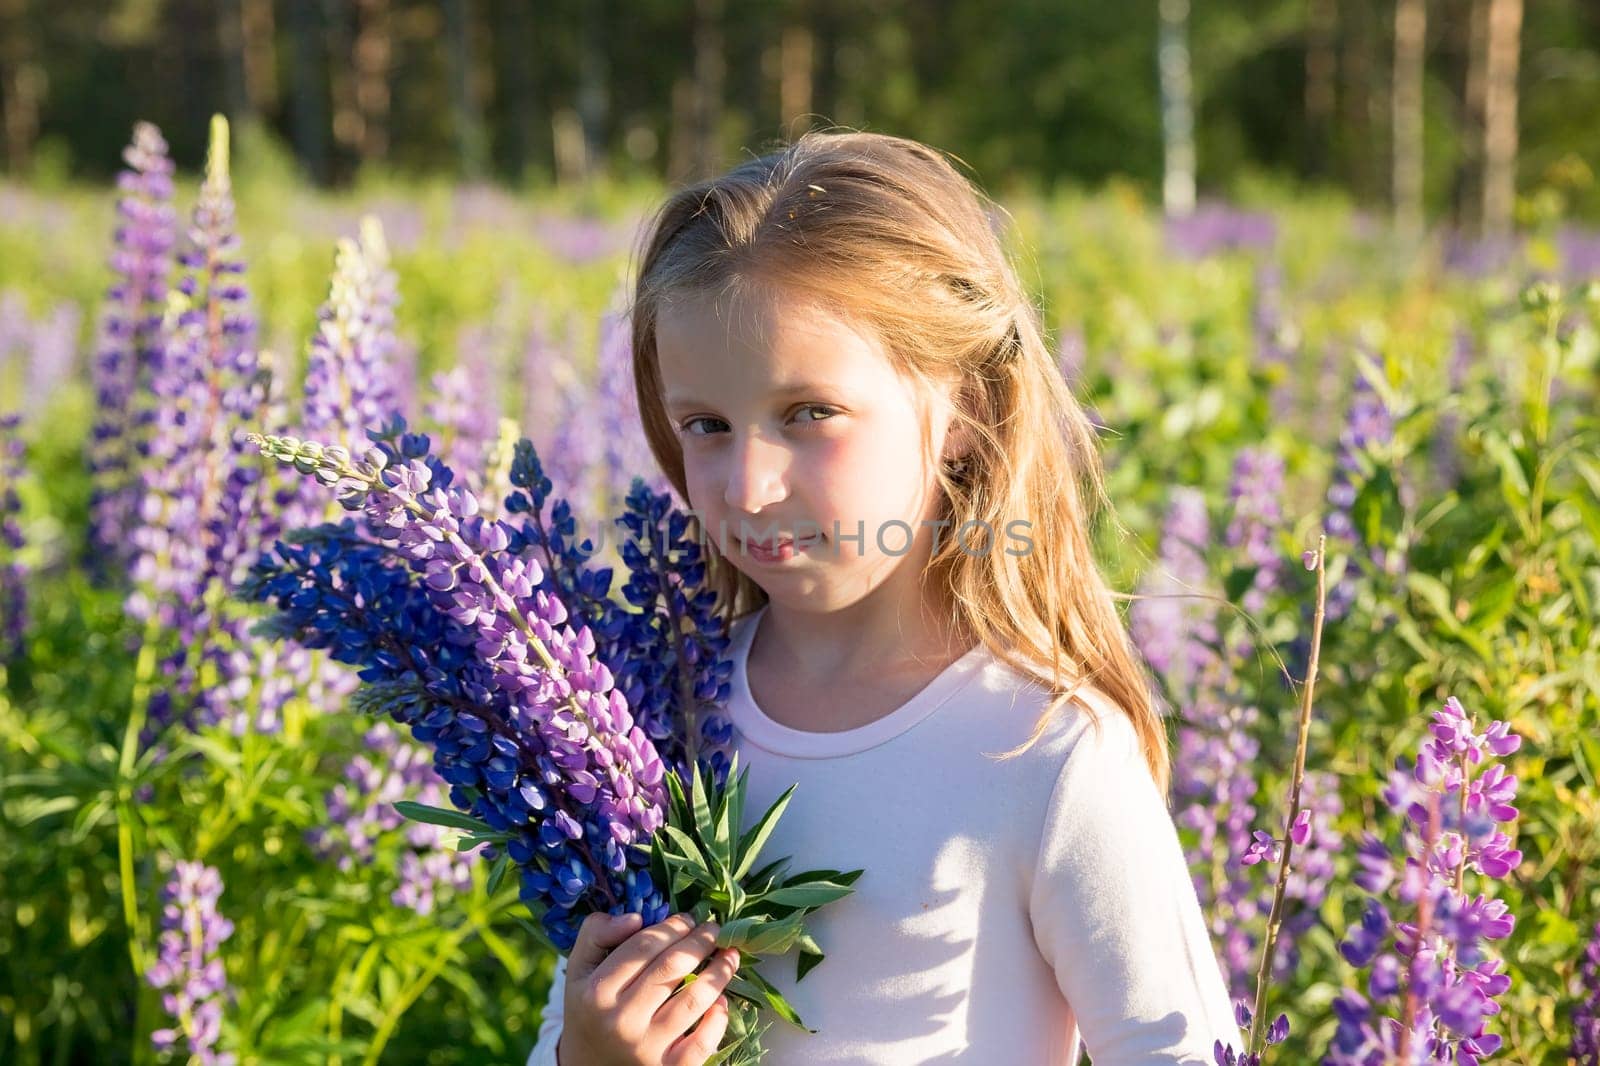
<point>1115,914</point>
<point>544,1048</point>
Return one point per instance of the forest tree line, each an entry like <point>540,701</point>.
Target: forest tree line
<point>1424,107</point>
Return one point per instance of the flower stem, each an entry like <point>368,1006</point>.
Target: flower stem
<point>1275,918</point>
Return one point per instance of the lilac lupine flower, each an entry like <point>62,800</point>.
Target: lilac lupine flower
<point>199,500</point>
<point>53,353</point>
<point>350,385</point>
<point>188,966</point>
<point>464,408</point>
<point>1176,632</point>
<point>1214,789</point>
<point>565,747</point>
<point>626,452</point>
<point>1256,516</point>
<point>361,811</point>
<point>1213,228</point>
<point>1446,451</point>
<point>1437,973</point>
<point>1071,353</point>
<point>13,585</point>
<point>556,414</point>
<point>129,345</point>
<point>1276,336</point>
<point>1368,429</point>
<point>1586,1014</point>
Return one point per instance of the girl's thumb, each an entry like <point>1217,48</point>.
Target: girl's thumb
<point>598,934</point>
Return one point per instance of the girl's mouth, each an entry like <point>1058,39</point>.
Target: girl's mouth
<point>779,550</point>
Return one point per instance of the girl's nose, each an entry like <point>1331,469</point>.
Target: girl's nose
<point>756,476</point>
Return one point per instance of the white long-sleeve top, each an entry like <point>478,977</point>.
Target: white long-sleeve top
<point>1010,911</point>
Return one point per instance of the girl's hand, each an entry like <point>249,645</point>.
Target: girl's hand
<point>623,1004</point>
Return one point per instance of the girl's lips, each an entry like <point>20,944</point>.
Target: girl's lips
<point>777,550</point>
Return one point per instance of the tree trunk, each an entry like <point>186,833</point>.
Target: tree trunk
<point>373,57</point>
<point>259,30</point>
<point>1321,73</point>
<point>1410,40</point>
<point>230,43</point>
<point>1177,109</point>
<point>516,45</point>
<point>710,70</point>
<point>308,111</point>
<point>347,126</point>
<point>22,86</point>
<point>1467,187</point>
<point>594,78</point>
<point>1500,116</point>
<point>794,78</point>
<point>467,115</point>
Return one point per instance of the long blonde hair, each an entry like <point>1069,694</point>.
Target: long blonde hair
<point>887,233</point>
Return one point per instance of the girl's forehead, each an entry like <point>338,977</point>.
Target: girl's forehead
<point>768,331</point>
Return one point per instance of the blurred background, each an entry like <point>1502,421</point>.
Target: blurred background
<point>1443,108</point>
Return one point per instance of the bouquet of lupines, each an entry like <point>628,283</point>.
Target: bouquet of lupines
<point>579,737</point>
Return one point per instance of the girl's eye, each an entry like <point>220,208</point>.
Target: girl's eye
<point>688,425</point>
<point>828,412</point>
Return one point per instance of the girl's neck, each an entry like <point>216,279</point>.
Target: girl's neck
<point>863,641</point>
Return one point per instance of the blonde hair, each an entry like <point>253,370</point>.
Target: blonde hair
<point>888,234</point>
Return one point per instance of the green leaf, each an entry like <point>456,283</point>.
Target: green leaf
<point>702,807</point>
<point>689,855</point>
<point>1238,580</point>
<point>421,812</point>
<point>775,1001</point>
<point>751,843</point>
<point>810,895</point>
<point>497,873</point>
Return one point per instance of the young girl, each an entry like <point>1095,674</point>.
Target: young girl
<point>837,368</point>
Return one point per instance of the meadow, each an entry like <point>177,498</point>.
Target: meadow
<point>1264,376</point>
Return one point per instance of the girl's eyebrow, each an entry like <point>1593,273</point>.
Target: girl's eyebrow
<point>782,391</point>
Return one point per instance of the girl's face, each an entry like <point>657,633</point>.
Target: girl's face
<point>793,424</point>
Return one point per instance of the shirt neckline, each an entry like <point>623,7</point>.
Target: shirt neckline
<point>753,722</point>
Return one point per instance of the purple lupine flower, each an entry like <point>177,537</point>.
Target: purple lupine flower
<point>1446,451</point>
<point>1214,790</point>
<point>1580,253</point>
<point>1586,1013</point>
<point>1368,430</point>
<point>1446,986</point>
<point>13,584</point>
<point>1276,336</point>
<point>361,811</point>
<point>53,353</point>
<point>129,345</point>
<point>1256,516</point>
<point>1175,630</point>
<point>349,385</point>
<point>1071,353</point>
<point>1479,257</point>
<point>1213,228</point>
<point>198,499</point>
<point>626,452</point>
<point>557,417</point>
<point>464,407</point>
<point>581,240</point>
<point>565,746</point>
<point>188,966</point>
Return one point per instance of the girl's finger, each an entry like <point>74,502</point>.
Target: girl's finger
<point>597,935</point>
<point>661,977</point>
<point>690,1003</point>
<point>696,1047</point>
<point>620,967</point>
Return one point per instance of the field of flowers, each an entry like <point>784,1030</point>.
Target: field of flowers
<point>201,856</point>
